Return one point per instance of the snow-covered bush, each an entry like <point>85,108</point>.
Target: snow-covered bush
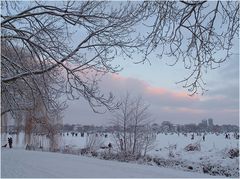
<point>193,147</point>
<point>94,153</point>
<point>120,156</point>
<point>162,162</point>
<point>219,170</point>
<point>147,158</point>
<point>108,155</point>
<point>85,151</point>
<point>69,150</point>
<point>171,149</point>
<point>232,153</point>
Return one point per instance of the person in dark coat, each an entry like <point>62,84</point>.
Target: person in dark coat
<point>10,142</point>
<point>121,144</point>
<point>192,137</point>
<point>109,147</point>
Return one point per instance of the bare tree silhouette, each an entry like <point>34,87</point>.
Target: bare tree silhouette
<point>39,44</point>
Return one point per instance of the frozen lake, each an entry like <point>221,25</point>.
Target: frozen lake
<point>163,141</point>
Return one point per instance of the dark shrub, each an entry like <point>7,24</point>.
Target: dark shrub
<point>232,153</point>
<point>193,147</point>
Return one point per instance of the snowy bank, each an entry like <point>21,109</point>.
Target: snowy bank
<point>24,164</point>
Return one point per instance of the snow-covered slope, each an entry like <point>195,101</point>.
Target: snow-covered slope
<point>22,164</point>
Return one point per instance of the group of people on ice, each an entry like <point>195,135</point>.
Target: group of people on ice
<point>204,136</point>
<point>227,136</point>
<point>235,135</point>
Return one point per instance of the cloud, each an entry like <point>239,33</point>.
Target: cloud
<point>227,83</point>
<point>166,104</point>
<point>190,111</point>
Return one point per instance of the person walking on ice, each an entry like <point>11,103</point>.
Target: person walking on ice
<point>10,142</point>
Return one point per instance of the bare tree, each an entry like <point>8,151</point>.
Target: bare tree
<point>31,99</point>
<point>149,139</point>
<point>24,94</point>
<point>44,32</point>
<point>134,137</point>
<point>4,123</point>
<point>93,143</point>
<point>198,33</point>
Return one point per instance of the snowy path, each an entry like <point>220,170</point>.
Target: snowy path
<point>23,164</point>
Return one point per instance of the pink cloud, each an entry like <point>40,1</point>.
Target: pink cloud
<point>156,91</point>
<point>152,90</point>
<point>172,94</point>
<point>183,110</point>
<point>118,77</point>
<point>190,110</point>
<point>167,104</point>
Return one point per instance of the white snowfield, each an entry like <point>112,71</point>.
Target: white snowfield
<point>19,163</point>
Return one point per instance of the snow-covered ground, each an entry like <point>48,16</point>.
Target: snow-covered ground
<point>213,150</point>
<point>24,164</point>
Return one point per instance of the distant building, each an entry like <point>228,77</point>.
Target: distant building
<point>204,123</point>
<point>210,122</point>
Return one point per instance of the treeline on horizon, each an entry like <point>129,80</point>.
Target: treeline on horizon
<point>165,126</point>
